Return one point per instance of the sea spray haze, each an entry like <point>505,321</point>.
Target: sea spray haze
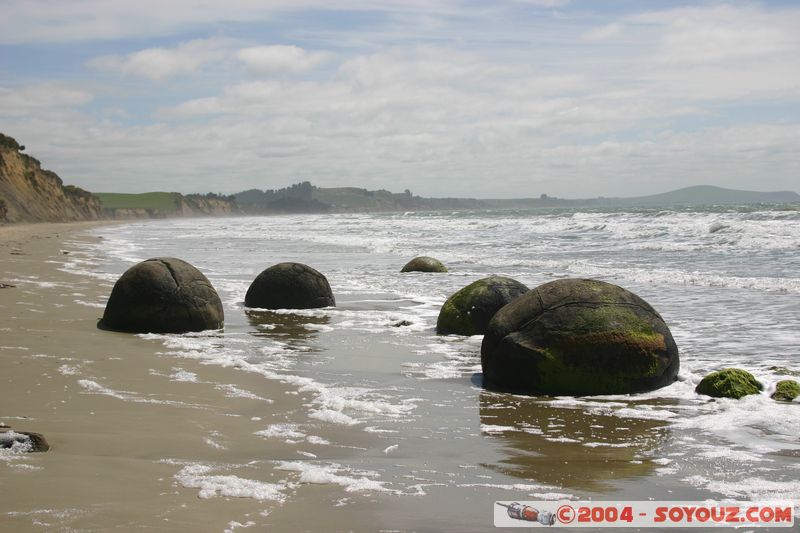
<point>396,414</point>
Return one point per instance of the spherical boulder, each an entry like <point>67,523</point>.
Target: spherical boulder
<point>290,286</point>
<point>578,337</point>
<point>424,264</point>
<point>786,390</point>
<point>468,311</point>
<point>729,383</point>
<point>162,295</point>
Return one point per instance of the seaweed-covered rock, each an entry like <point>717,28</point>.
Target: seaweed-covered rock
<point>729,383</point>
<point>578,337</point>
<point>162,295</point>
<point>786,390</point>
<point>424,264</point>
<point>468,311</point>
<point>290,286</point>
<point>22,441</point>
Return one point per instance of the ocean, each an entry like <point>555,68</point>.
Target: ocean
<point>366,399</point>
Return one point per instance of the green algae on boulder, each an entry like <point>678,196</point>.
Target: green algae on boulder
<point>162,295</point>
<point>578,337</point>
<point>424,264</point>
<point>468,311</point>
<point>290,286</point>
<point>786,390</point>
<point>729,383</point>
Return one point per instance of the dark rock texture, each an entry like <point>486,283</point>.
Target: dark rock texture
<point>290,286</point>
<point>23,441</point>
<point>468,311</point>
<point>786,390</point>
<point>163,295</point>
<point>729,383</point>
<point>578,337</point>
<point>424,264</point>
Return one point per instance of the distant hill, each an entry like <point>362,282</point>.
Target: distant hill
<point>710,195</point>
<point>165,204</point>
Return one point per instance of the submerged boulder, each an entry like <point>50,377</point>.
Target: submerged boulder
<point>729,383</point>
<point>578,337</point>
<point>290,286</point>
<point>786,390</point>
<point>468,311</point>
<point>22,441</point>
<point>162,295</point>
<point>424,264</point>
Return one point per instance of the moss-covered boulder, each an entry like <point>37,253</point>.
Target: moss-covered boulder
<point>729,383</point>
<point>162,295</point>
<point>424,264</point>
<point>468,311</point>
<point>786,390</point>
<point>290,286</point>
<point>578,337</point>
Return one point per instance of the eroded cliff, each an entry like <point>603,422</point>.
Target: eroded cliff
<point>29,193</point>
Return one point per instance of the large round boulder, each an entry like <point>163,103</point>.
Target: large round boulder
<point>729,383</point>
<point>578,337</point>
<point>162,295</point>
<point>786,390</point>
<point>290,286</point>
<point>424,264</point>
<point>468,311</point>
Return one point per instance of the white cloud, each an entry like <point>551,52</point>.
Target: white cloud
<point>604,32</point>
<point>266,60</point>
<point>46,21</point>
<point>723,33</point>
<point>160,63</point>
<point>41,98</point>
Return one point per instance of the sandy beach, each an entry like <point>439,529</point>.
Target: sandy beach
<point>108,468</point>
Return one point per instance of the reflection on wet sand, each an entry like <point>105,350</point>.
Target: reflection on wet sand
<point>568,446</point>
<point>295,330</point>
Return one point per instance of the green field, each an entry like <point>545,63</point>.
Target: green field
<point>148,200</point>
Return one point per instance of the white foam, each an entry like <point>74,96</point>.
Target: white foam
<point>332,474</point>
<point>289,432</point>
<point>197,476</point>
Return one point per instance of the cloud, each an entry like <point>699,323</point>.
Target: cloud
<point>604,32</point>
<point>41,99</point>
<point>46,21</point>
<point>158,64</point>
<point>266,60</point>
<point>723,33</point>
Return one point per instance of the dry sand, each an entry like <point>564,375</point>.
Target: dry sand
<point>111,418</point>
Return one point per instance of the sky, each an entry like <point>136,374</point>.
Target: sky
<point>486,99</point>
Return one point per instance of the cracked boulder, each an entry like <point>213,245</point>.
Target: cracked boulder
<point>577,337</point>
<point>162,295</point>
<point>290,286</point>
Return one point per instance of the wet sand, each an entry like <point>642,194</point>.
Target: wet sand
<point>106,470</point>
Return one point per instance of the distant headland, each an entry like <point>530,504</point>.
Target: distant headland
<point>29,193</point>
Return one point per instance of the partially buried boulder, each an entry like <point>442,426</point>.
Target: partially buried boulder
<point>578,337</point>
<point>290,286</point>
<point>468,311</point>
<point>786,390</point>
<point>424,264</point>
<point>729,383</point>
<point>22,441</point>
<point>162,295</point>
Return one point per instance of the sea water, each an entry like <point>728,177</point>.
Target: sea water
<point>393,411</point>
